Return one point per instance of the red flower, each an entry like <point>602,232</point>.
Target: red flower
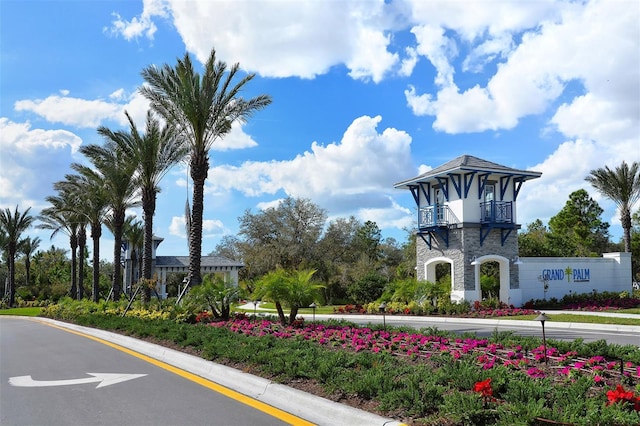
<point>483,387</point>
<point>621,395</point>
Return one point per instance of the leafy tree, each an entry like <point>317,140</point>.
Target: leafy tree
<point>229,247</point>
<point>534,242</point>
<point>368,239</point>
<point>337,246</point>
<point>391,257</point>
<point>408,265</point>
<point>51,274</point>
<point>293,289</point>
<point>577,229</point>
<point>622,186</point>
<point>368,288</point>
<point>13,225</point>
<point>285,236</point>
<point>116,170</point>
<point>214,294</point>
<point>154,152</point>
<point>201,109</point>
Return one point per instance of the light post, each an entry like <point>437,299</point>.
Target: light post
<point>313,306</point>
<point>542,318</point>
<point>255,307</point>
<point>383,307</point>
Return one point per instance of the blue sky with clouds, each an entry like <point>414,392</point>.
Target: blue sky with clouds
<point>365,94</point>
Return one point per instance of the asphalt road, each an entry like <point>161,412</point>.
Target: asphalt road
<point>622,335</point>
<point>61,389</point>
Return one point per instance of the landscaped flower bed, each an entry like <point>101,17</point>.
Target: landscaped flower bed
<point>612,382</point>
<point>427,377</point>
<point>533,362</point>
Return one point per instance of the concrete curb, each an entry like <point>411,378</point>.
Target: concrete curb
<point>318,410</point>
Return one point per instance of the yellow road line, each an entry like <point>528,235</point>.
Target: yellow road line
<point>244,399</point>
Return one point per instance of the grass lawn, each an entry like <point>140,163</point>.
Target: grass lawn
<point>582,318</point>
<point>577,318</point>
<point>25,312</point>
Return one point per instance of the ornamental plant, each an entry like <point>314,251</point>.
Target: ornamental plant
<point>621,396</point>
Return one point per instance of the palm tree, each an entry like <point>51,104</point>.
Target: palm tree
<point>60,217</point>
<point>115,170</point>
<point>89,191</point>
<point>201,109</point>
<point>133,233</point>
<point>13,225</point>
<point>155,153</point>
<point>288,288</point>
<point>28,247</point>
<point>622,186</point>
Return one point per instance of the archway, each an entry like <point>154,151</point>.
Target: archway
<point>438,268</point>
<point>504,272</point>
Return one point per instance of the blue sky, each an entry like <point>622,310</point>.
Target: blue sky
<point>365,94</point>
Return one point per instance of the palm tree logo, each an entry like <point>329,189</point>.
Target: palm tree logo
<point>569,273</point>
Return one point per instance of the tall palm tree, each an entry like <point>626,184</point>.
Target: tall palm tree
<point>28,247</point>
<point>13,225</point>
<point>60,217</point>
<point>133,233</point>
<point>622,186</point>
<point>116,172</point>
<point>155,152</point>
<point>201,108</point>
<point>89,190</point>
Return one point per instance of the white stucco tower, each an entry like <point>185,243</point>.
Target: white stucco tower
<point>467,216</point>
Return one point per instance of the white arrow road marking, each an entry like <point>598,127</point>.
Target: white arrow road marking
<point>103,379</point>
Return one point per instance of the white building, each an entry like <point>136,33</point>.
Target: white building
<point>163,266</point>
<point>467,216</point>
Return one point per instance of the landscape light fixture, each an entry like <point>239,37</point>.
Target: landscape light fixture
<point>474,260</point>
<point>313,306</point>
<point>542,318</point>
<point>382,308</point>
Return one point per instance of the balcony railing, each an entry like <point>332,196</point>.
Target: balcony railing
<point>496,212</point>
<point>432,216</point>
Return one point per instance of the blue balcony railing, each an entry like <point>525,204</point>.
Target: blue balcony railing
<point>496,212</point>
<point>432,216</point>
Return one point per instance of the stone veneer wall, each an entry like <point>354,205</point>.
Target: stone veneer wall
<point>464,243</point>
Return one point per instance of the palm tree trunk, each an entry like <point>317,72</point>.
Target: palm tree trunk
<point>82,243</point>
<point>27,267</point>
<point>12,274</point>
<point>73,242</point>
<point>283,319</point>
<point>293,314</point>
<point>96,233</point>
<point>118,223</point>
<point>199,170</point>
<point>148,207</point>
<point>625,220</point>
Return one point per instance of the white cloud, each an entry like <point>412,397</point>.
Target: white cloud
<point>177,226</point>
<point>72,111</point>
<point>356,173</point>
<point>535,73</point>
<point>210,227</point>
<point>142,26</point>
<point>278,38</point>
<point>236,139</point>
<point>563,172</point>
<point>31,159</point>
